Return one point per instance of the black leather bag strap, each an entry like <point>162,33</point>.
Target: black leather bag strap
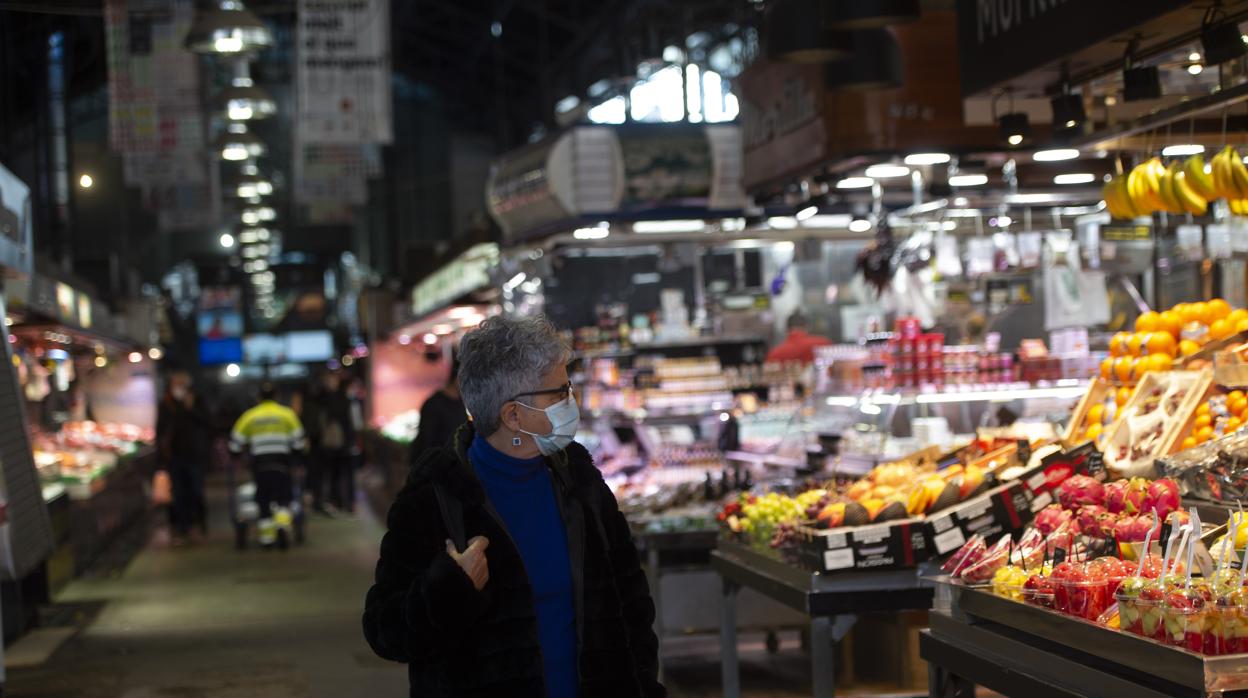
<point>452,516</point>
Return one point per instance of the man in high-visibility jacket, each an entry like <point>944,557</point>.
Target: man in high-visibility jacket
<point>273,436</point>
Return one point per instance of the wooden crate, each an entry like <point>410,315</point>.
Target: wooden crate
<point>1129,454</point>
<point>1098,391</point>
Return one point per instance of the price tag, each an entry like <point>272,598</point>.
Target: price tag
<point>837,540</point>
<point>943,523</point>
<point>838,559</point>
<point>1042,501</point>
<point>949,541</point>
<point>976,510</point>
<point>872,534</point>
<point>1037,481</point>
<point>1218,241</point>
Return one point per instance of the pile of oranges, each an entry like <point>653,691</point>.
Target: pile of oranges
<point>1160,337</point>
<point>1217,417</point>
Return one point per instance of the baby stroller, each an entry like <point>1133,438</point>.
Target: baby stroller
<point>286,524</point>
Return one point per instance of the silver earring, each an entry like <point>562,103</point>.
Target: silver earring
<point>515,441</point>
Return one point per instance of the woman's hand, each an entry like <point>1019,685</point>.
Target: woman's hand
<point>472,561</point>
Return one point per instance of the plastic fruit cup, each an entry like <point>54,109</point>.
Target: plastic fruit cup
<point>1129,619</point>
<point>1151,624</point>
<point>1185,628</point>
<point>1226,630</point>
<point>1014,592</point>
<point>1044,597</point>
<point>1087,599</point>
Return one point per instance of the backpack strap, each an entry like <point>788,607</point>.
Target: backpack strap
<point>452,516</point>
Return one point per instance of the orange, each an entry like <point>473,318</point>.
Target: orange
<point>1220,329</point>
<point>1172,322</point>
<point>1118,344</point>
<point>1123,367</point>
<point>1237,406</point>
<point>1162,343</point>
<point>1202,408</point>
<point>1160,362</point>
<point>1136,342</point>
<point>1242,326</point>
<point>1235,395</point>
<point>1107,368</point>
<point>1187,347</point>
<point>1203,420</point>
<point>1096,414</point>
<point>1093,432</point>
<point>1193,312</point>
<point>1123,395</point>
<point>1148,321</point>
<point>1204,433</point>
<point>1218,308</point>
<point>1189,442</point>
<point>1233,424</point>
<point>1237,316</point>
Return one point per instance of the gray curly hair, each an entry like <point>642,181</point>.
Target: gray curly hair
<point>502,358</point>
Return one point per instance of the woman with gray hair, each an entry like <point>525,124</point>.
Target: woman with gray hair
<point>559,606</point>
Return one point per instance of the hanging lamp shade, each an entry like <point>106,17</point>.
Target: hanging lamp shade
<point>243,101</point>
<point>794,31</point>
<point>870,14</point>
<point>875,65</point>
<point>237,143</point>
<point>227,28</point>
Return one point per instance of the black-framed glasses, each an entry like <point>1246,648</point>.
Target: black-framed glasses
<point>565,390</point>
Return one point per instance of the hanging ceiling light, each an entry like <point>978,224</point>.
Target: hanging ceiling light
<point>1069,114</point>
<point>875,64</point>
<point>255,214</point>
<point>237,143</point>
<point>870,14</point>
<point>252,187</point>
<point>243,101</point>
<point>1139,82</point>
<point>1220,39</point>
<point>227,28</point>
<point>794,32</point>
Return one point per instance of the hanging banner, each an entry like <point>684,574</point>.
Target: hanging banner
<point>342,71</point>
<point>153,81</point>
<point>330,180</point>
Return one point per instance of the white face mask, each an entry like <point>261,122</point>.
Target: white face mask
<point>565,418</point>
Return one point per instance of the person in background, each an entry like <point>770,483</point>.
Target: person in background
<point>442,414</point>
<point>336,441</point>
<point>311,418</point>
<point>508,569</point>
<point>798,345</point>
<point>182,434</point>
<point>273,436</point>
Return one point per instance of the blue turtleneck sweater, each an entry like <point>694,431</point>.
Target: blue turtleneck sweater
<point>524,496</point>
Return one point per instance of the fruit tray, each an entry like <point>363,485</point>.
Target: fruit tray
<point>1152,421</point>
<point>979,605</point>
<point>1097,391</point>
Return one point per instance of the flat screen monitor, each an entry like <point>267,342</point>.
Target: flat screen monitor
<point>214,352</point>
<point>264,349</point>
<point>317,345</point>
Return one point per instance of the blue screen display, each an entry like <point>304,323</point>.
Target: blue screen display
<point>213,352</point>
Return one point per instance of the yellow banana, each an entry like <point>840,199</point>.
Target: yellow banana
<point>1165,191</point>
<point>1223,178</point>
<point>1239,174</point>
<point>1109,193</point>
<point>1199,180</point>
<point>1192,202</point>
<point>1129,209</point>
<point>1137,186</point>
<point>1153,170</point>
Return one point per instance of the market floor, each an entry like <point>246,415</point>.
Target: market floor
<point>205,620</point>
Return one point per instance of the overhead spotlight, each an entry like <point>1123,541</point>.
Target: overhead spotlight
<point>794,32</point>
<point>237,143</point>
<point>227,28</point>
<point>875,64</point>
<point>1015,128</point>
<point>1068,112</point>
<point>871,14</point>
<point>1220,39</point>
<point>243,101</point>
<point>1182,149</point>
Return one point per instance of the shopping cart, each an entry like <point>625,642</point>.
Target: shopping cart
<point>291,523</point>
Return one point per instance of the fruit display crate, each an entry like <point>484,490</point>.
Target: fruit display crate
<point>1069,655</point>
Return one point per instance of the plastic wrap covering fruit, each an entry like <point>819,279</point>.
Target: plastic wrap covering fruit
<point>994,559</point>
<point>1217,470</point>
<point>971,552</point>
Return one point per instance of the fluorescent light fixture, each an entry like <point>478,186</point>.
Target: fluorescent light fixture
<point>859,225</point>
<point>672,226</point>
<point>886,171</point>
<point>869,408</point>
<point>1070,392</point>
<point>590,233</point>
<point>807,213</point>
<point>732,224</point>
<point>855,183</point>
<point>1173,151</point>
<point>838,220</point>
<point>1034,198</point>
<point>949,225</point>
<point>927,159</point>
<point>968,180</point>
<point>782,222</point>
<point>1075,178</point>
<point>1055,155</point>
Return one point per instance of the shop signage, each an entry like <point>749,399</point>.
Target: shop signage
<point>1126,233</point>
<point>342,71</point>
<point>782,119</point>
<point>466,273</point>
<point>16,223</point>
<point>1002,39</point>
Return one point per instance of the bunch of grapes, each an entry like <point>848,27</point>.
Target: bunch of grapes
<point>785,536</point>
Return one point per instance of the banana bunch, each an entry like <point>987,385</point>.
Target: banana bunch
<point>1118,200</point>
<point>1144,186</point>
<point>1230,177</point>
<point>1151,186</point>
